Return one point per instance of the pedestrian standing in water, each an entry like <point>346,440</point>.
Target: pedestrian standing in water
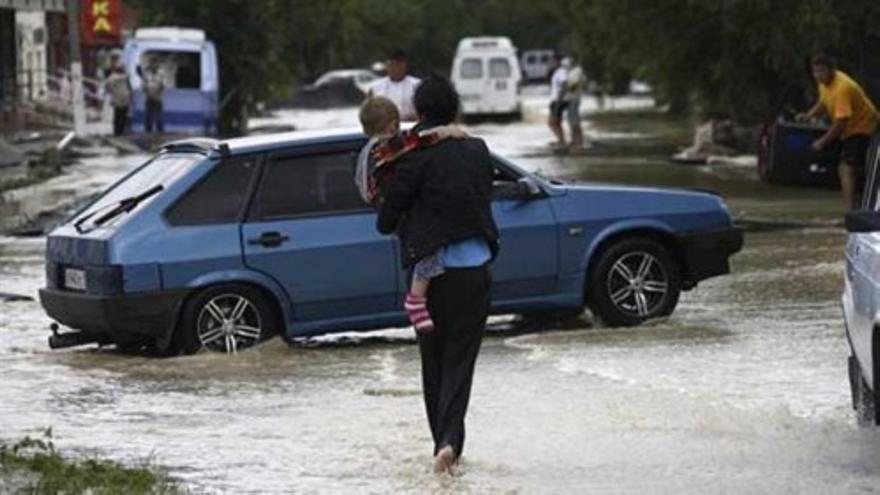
<point>440,201</point>
<point>575,83</point>
<point>558,104</point>
<point>154,92</point>
<point>853,122</point>
<point>119,89</point>
<point>398,86</point>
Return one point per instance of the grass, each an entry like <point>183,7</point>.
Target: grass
<point>33,465</point>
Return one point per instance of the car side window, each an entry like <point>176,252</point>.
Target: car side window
<point>504,183</point>
<point>305,185</point>
<point>217,198</point>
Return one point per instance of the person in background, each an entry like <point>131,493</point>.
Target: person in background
<point>558,78</point>
<point>441,198</point>
<point>119,89</point>
<point>853,122</point>
<point>398,86</point>
<point>154,91</point>
<point>575,83</point>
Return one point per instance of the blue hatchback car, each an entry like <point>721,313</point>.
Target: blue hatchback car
<point>221,244</point>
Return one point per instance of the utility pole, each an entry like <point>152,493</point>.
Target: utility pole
<point>76,77</point>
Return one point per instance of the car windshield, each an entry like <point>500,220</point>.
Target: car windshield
<point>150,177</point>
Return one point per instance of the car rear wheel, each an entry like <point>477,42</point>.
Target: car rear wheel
<point>226,318</point>
<point>864,399</point>
<point>632,281</point>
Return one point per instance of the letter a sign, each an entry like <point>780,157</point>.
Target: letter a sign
<point>100,22</point>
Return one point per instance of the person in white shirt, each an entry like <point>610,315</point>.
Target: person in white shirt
<point>557,100</point>
<point>575,83</point>
<point>398,86</point>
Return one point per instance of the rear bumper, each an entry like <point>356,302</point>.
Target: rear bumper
<point>125,317</point>
<point>706,254</point>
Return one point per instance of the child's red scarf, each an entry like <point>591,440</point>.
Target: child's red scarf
<point>386,153</point>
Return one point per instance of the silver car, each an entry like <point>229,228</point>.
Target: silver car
<point>861,297</point>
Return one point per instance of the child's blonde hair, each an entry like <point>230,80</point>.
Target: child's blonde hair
<point>377,113</point>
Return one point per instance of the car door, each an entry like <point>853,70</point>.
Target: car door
<point>863,274</point>
<point>309,229</point>
<point>527,265</point>
<point>502,84</point>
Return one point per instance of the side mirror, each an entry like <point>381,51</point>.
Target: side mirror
<point>861,221</point>
<point>527,188</point>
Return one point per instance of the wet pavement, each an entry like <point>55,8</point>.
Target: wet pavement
<point>742,390</point>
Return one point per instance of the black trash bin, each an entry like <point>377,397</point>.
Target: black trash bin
<point>786,157</point>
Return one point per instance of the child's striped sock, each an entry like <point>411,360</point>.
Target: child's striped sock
<point>417,311</point>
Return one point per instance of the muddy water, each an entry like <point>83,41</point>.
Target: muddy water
<point>742,390</point>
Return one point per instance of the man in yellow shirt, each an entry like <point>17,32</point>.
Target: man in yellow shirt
<point>853,122</point>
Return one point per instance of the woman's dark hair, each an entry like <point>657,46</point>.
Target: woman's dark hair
<point>436,100</point>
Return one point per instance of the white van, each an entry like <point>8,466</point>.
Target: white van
<point>188,64</point>
<point>536,64</point>
<point>487,76</point>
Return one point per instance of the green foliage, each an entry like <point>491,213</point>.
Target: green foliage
<point>715,56</point>
<point>39,468</point>
<point>727,56</point>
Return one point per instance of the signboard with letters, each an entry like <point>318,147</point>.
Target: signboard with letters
<point>101,22</point>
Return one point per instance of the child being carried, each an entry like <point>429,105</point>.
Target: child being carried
<point>375,171</point>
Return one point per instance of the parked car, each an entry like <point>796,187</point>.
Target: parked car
<point>861,298</point>
<point>188,64</point>
<point>361,78</point>
<point>486,74</point>
<point>536,64</point>
<point>221,244</point>
<point>337,88</point>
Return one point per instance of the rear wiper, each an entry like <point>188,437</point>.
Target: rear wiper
<point>123,206</point>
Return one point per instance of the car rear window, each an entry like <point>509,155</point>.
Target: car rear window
<point>219,197</point>
<point>499,67</point>
<point>161,170</point>
<point>471,68</point>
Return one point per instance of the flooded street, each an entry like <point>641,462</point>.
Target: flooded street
<point>742,390</point>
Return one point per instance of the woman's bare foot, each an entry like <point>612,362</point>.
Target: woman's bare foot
<point>444,460</point>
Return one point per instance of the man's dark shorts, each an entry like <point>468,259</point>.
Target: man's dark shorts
<point>557,108</point>
<point>854,150</point>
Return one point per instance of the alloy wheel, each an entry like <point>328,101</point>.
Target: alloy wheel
<point>229,322</point>
<point>637,284</point>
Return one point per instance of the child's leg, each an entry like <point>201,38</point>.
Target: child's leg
<point>416,305</point>
<point>419,287</point>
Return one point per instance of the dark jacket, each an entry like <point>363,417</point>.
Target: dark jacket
<point>441,194</point>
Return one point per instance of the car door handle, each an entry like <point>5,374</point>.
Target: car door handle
<point>269,239</point>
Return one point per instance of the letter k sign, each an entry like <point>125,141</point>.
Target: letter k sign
<point>101,8</point>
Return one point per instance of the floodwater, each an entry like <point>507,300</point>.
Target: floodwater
<point>742,390</point>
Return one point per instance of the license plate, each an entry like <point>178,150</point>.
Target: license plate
<point>74,279</point>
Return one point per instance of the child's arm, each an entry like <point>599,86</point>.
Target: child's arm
<point>451,131</point>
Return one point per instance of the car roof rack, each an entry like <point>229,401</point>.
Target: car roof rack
<point>199,145</point>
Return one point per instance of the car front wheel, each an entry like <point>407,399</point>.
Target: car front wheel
<point>864,399</point>
<point>632,281</point>
<point>226,318</point>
